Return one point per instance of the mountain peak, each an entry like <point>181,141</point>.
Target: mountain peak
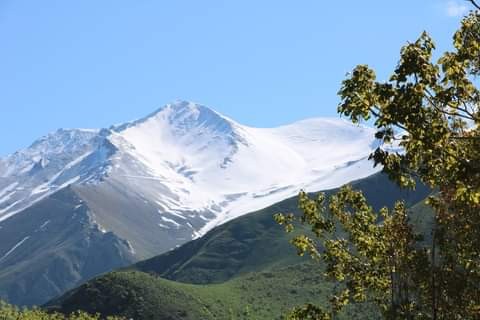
<point>183,106</point>
<point>186,115</point>
<point>182,116</point>
<point>181,109</point>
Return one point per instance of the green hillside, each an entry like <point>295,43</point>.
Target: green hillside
<point>246,264</point>
<point>264,295</point>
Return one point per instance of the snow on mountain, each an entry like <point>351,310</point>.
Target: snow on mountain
<point>198,163</point>
<point>51,163</point>
<point>102,199</point>
<point>211,163</point>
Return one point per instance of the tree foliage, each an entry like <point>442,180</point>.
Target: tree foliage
<point>428,121</point>
<point>9,312</point>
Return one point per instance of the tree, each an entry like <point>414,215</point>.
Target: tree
<point>9,312</point>
<point>429,111</point>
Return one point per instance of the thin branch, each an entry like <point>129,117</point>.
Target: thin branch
<point>472,109</point>
<point>464,138</point>
<point>430,97</point>
<point>453,114</point>
<point>474,3</point>
<point>470,113</point>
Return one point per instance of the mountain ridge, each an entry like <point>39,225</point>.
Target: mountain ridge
<point>224,139</point>
<point>165,179</point>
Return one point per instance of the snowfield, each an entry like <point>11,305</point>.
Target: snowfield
<point>196,167</point>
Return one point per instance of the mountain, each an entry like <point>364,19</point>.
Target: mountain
<point>245,263</point>
<point>139,189</point>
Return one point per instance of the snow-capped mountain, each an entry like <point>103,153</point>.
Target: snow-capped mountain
<point>49,164</point>
<point>160,181</point>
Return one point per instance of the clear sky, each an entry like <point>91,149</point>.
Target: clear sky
<point>94,63</point>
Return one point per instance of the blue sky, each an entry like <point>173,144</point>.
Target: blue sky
<point>94,63</point>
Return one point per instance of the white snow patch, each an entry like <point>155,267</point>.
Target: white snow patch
<point>9,207</point>
<point>173,213</point>
<point>7,196</point>
<point>14,247</point>
<point>44,224</point>
<point>49,185</point>
<point>130,247</point>
<point>176,224</point>
<point>8,188</point>
<point>102,229</point>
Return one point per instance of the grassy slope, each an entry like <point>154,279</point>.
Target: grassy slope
<point>246,263</point>
<point>263,295</point>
